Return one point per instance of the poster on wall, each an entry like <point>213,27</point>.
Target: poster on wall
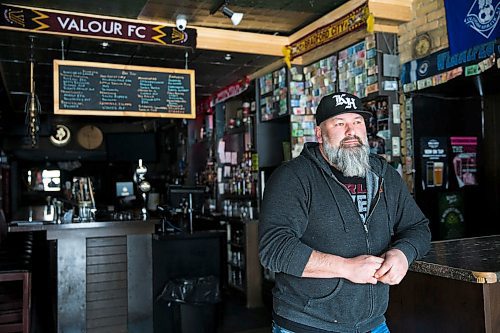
<point>378,127</point>
<point>451,215</point>
<point>464,149</point>
<point>434,167</point>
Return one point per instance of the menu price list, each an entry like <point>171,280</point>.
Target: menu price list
<point>108,89</point>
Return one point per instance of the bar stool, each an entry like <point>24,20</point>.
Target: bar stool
<point>15,280</point>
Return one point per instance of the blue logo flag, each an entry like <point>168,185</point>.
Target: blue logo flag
<point>471,22</point>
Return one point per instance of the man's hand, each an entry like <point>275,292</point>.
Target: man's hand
<point>393,269</point>
<point>361,269</point>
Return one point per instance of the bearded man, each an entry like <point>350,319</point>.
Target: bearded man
<point>338,227</point>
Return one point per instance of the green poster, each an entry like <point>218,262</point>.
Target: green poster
<point>451,215</point>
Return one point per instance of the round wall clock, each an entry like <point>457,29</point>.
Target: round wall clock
<point>61,136</point>
<point>422,45</point>
<point>89,137</point>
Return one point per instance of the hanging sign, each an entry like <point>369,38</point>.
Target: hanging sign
<point>441,66</point>
<point>464,150</point>
<point>471,23</point>
<point>434,168</point>
<point>100,89</point>
<point>230,91</point>
<point>93,26</point>
<point>355,20</point>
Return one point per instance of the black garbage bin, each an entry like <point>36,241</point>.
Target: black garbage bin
<point>195,301</point>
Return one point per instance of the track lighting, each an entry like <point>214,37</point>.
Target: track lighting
<point>235,17</point>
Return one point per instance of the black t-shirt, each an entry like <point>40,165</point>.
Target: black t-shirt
<point>357,188</point>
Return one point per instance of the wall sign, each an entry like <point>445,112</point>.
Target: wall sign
<point>353,21</point>
<point>87,88</point>
<point>61,137</point>
<point>451,215</point>
<point>434,167</point>
<point>442,62</point>
<point>93,26</point>
<point>464,149</point>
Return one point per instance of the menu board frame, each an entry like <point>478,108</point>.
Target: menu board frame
<point>127,113</point>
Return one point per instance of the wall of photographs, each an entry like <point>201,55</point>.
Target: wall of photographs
<point>356,69</point>
<point>273,94</point>
<point>307,85</point>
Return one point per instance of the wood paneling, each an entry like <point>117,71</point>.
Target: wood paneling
<point>107,294</point>
<point>426,303</point>
<point>491,156</point>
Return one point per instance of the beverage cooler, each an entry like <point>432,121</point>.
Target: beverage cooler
<point>449,178</point>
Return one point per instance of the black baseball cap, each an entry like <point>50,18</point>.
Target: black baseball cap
<point>338,103</point>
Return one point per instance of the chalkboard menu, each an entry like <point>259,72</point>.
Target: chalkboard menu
<point>87,88</point>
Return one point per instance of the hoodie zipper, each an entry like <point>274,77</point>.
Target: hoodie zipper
<point>365,227</point>
<point>370,287</point>
<point>376,200</point>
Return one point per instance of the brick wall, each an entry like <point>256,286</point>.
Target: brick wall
<point>428,16</point>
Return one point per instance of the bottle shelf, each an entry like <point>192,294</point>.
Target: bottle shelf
<point>236,244</point>
<point>240,267</point>
<point>244,270</point>
<point>237,287</point>
<point>239,197</point>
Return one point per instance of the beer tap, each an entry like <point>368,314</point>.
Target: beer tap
<point>143,185</point>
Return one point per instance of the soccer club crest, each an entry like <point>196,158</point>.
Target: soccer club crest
<point>483,16</point>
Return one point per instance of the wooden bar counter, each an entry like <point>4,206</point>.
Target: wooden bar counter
<point>104,273</point>
<point>455,288</point>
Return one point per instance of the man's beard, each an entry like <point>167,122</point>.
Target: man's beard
<point>352,161</point>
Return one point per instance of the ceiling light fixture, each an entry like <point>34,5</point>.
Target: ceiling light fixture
<point>235,17</point>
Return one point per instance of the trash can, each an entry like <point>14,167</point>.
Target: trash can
<point>195,301</point>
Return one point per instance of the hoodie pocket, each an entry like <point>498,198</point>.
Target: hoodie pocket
<point>347,303</point>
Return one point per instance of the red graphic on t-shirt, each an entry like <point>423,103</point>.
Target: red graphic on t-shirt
<point>359,197</point>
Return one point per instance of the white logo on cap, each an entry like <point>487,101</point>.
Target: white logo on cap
<point>349,102</point>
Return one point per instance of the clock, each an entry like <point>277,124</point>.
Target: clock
<point>89,137</point>
<point>422,45</point>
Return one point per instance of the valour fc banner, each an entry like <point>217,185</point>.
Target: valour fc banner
<point>471,22</point>
<point>93,26</point>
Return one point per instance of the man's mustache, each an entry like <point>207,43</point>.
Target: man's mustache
<point>348,138</point>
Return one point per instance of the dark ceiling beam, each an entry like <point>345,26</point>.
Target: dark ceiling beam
<point>217,6</point>
<point>4,87</point>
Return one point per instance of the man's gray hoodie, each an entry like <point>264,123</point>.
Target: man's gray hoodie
<point>304,208</point>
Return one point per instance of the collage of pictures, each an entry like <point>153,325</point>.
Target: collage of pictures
<point>273,95</point>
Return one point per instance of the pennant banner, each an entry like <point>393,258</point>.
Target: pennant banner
<point>230,91</point>
<point>471,23</point>
<point>353,21</point>
<point>442,62</point>
<point>91,26</point>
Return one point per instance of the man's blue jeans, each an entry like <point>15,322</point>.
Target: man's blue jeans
<point>382,328</point>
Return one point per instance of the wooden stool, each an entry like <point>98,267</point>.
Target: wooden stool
<point>15,301</point>
<point>15,280</point>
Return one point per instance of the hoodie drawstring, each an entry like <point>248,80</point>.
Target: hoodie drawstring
<point>389,220</point>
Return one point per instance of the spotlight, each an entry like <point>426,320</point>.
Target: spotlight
<point>235,17</point>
